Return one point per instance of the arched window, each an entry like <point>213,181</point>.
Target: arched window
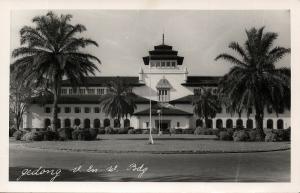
<point>87,123</point>
<point>249,124</point>
<point>219,124</point>
<point>279,124</point>
<point>58,123</point>
<point>77,122</point>
<point>106,122</point>
<point>209,124</point>
<point>117,123</point>
<point>47,123</point>
<point>126,123</point>
<point>229,123</point>
<point>239,123</point>
<point>97,123</point>
<point>67,123</point>
<point>199,123</point>
<point>270,124</point>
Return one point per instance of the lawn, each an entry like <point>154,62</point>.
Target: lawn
<point>162,144</point>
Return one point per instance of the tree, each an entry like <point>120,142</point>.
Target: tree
<point>254,81</point>
<point>119,101</point>
<point>206,105</point>
<point>50,51</point>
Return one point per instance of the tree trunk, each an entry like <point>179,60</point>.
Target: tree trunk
<point>205,123</point>
<point>54,113</point>
<point>259,125</point>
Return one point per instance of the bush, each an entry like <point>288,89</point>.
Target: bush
<point>178,131</point>
<point>270,137</point>
<point>188,131</point>
<point>199,131</point>
<point>130,131</point>
<point>123,130</point>
<point>18,134</point>
<point>287,134</point>
<point>109,130</point>
<point>51,135</point>
<point>254,135</point>
<point>84,135</point>
<point>146,131</point>
<point>215,132</point>
<point>63,134</point>
<point>173,131</point>
<point>154,131</point>
<point>75,134</point>
<point>32,136</point>
<point>12,131</point>
<point>241,135</point>
<point>225,135</point>
<point>93,133</point>
<point>138,131</point>
<point>101,131</point>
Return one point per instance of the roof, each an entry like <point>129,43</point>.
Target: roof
<point>104,80</point>
<point>171,110</point>
<point>183,100</point>
<point>202,81</point>
<point>163,83</point>
<point>163,52</point>
<point>79,99</point>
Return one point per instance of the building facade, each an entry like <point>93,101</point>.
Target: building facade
<point>164,81</point>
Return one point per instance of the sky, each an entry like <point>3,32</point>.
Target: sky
<point>125,36</point>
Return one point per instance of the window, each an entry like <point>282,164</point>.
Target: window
<point>77,110</point>
<point>117,123</point>
<point>152,63</point>
<point>47,110</point>
<point>279,124</point>
<point>178,124</point>
<point>97,110</point>
<point>163,63</point>
<point>67,123</point>
<point>219,124</point>
<point>67,109</point>
<point>163,95</point>
<point>87,123</point>
<point>157,64</point>
<point>106,123</point>
<point>147,124</point>
<point>229,123</point>
<point>73,91</point>
<point>97,123</point>
<point>239,123</point>
<point>58,109</point>
<point>199,123</point>
<point>249,124</point>
<point>81,91</point>
<point>47,123</point>
<point>77,122</point>
<point>173,64</point>
<point>63,91</point>
<point>197,91</point>
<point>168,64</point>
<point>87,109</point>
<point>126,123</point>
<point>270,124</point>
<point>100,91</point>
<point>91,91</point>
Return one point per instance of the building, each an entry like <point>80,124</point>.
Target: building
<point>164,80</point>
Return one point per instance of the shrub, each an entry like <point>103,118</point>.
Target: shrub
<point>154,131</point>
<point>254,135</point>
<point>188,131</point>
<point>11,131</point>
<point>224,135</point>
<point>115,130</point>
<point>75,134</point>
<point>178,131</point>
<point>230,131</point>
<point>109,130</point>
<point>173,131</point>
<point>166,131</point>
<point>101,131</point>
<point>215,132</point>
<point>270,137</point>
<point>283,134</point>
<point>84,135</point>
<point>33,136</point>
<point>240,135</point>
<point>199,131</point>
<point>18,134</point>
<point>93,133</point>
<point>287,134</point>
<point>50,135</point>
<point>138,131</point>
<point>123,130</point>
<point>130,131</point>
<point>64,133</point>
<point>146,131</point>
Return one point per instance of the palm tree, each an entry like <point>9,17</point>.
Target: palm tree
<point>206,105</point>
<point>119,101</point>
<point>52,50</point>
<point>254,81</point>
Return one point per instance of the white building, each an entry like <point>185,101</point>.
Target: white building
<point>164,79</point>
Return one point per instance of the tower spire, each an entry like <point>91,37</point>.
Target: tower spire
<point>163,39</point>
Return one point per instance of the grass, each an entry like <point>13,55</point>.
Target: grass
<point>162,144</point>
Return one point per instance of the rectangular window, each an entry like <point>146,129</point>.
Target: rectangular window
<point>173,64</point>
<point>100,91</point>
<point>87,109</point>
<point>63,91</point>
<point>47,110</point>
<point>81,91</point>
<point>163,95</point>
<point>77,109</point>
<point>97,110</point>
<point>91,91</point>
<point>163,63</point>
<point>58,109</point>
<point>147,124</point>
<point>67,109</point>
<point>168,64</point>
<point>178,124</point>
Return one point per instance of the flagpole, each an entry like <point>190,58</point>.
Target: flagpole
<point>150,112</point>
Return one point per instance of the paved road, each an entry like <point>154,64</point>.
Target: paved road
<point>228,167</point>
